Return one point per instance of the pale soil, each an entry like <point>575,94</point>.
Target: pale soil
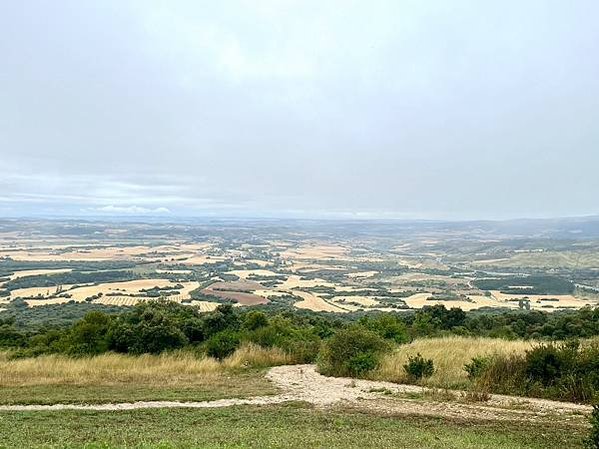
<point>311,267</point>
<point>202,260</point>
<point>313,302</point>
<point>315,252</point>
<point>366,301</point>
<point>24,273</point>
<point>244,274</point>
<point>295,281</point>
<point>537,301</point>
<point>79,294</point>
<point>32,292</point>
<point>107,301</point>
<point>303,383</point>
<point>362,274</point>
<point>419,300</point>
<point>270,293</point>
<point>79,252</point>
<point>204,306</point>
<point>174,271</point>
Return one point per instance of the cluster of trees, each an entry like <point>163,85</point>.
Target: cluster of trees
<point>342,346</point>
<point>72,277</point>
<point>160,325</point>
<point>156,326</point>
<point>528,285</point>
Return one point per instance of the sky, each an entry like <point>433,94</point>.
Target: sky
<point>461,109</point>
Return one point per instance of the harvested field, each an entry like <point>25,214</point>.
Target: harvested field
<point>270,293</point>
<point>419,300</point>
<point>366,301</point>
<point>113,293</point>
<point>244,274</point>
<point>315,252</point>
<point>35,292</point>
<point>244,299</point>
<point>202,260</point>
<point>538,301</point>
<point>204,306</point>
<point>362,274</point>
<point>236,286</point>
<point>25,273</point>
<point>313,302</point>
<point>295,281</point>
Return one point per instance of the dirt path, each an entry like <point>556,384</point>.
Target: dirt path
<point>303,383</point>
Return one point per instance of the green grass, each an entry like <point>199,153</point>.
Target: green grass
<point>284,426</point>
<point>235,385</point>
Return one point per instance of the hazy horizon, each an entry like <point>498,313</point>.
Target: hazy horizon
<point>286,109</point>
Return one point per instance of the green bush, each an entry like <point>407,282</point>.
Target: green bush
<point>351,352</point>
<point>255,320</point>
<point>592,441</point>
<point>150,328</point>
<point>419,368</point>
<point>223,344</point>
<point>89,336</point>
<point>387,326</point>
<point>566,371</point>
<point>301,343</point>
<point>477,367</point>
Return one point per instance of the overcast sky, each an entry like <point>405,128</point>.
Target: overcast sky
<point>417,109</point>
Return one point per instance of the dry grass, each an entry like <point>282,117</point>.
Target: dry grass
<point>106,369</point>
<point>315,303</point>
<point>251,355</point>
<point>449,355</point>
<point>178,368</point>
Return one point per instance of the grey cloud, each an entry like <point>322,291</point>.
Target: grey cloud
<point>430,109</point>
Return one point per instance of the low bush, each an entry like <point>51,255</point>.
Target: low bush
<point>592,441</point>
<point>418,367</point>
<point>351,352</point>
<point>223,344</point>
<point>564,371</point>
<point>476,367</point>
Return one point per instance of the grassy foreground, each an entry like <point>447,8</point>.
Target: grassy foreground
<point>123,378</point>
<point>284,426</point>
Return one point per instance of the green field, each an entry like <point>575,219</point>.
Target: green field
<point>286,426</point>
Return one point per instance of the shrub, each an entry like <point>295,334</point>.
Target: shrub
<point>223,317</point>
<point>223,344</point>
<point>476,367</point>
<point>592,441</point>
<point>254,320</point>
<point>351,352</point>
<point>387,326</point>
<point>419,368</point>
<point>300,343</point>
<point>151,327</point>
<point>89,335</point>
<point>566,371</point>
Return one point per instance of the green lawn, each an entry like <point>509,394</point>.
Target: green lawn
<point>283,426</point>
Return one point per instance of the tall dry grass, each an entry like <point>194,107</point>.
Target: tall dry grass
<point>449,355</point>
<point>169,368</point>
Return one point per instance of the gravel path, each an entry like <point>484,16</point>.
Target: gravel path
<point>303,383</point>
